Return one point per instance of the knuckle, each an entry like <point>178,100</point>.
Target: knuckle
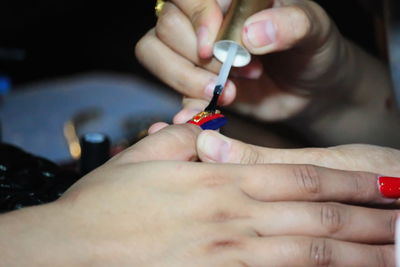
<point>140,48</point>
<point>320,252</point>
<point>321,18</point>
<point>232,242</point>
<point>215,180</point>
<point>308,179</point>
<point>300,22</point>
<point>331,217</point>
<point>360,190</point>
<point>317,155</point>
<point>224,215</point>
<point>167,21</point>
<point>252,185</point>
<point>250,155</point>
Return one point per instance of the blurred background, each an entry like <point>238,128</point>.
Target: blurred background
<point>44,39</point>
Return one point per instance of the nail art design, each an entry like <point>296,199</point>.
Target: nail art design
<point>389,187</point>
<point>209,120</point>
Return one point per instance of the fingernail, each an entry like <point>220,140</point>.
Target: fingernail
<point>203,42</point>
<point>227,93</point>
<point>389,186</point>
<point>261,33</point>
<point>247,73</point>
<point>209,90</point>
<point>216,149</point>
<point>185,115</point>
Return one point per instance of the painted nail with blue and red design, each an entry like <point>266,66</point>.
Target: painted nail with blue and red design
<point>209,120</point>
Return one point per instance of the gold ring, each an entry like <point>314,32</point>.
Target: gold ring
<point>159,6</point>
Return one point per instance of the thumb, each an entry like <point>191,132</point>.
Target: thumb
<point>282,28</point>
<point>214,147</point>
<point>206,17</point>
<point>175,142</point>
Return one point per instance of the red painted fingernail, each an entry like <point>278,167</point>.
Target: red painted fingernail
<point>389,187</point>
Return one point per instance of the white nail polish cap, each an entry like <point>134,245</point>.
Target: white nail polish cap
<point>221,49</point>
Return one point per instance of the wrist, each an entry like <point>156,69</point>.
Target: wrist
<point>36,236</point>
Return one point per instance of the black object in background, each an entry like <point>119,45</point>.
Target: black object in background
<point>95,151</point>
<point>58,38</point>
<point>26,180</point>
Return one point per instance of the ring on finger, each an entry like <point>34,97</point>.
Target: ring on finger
<point>159,6</point>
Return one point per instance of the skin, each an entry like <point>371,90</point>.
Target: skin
<point>330,89</point>
<point>151,206</point>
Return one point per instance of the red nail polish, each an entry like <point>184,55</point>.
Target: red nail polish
<point>389,187</point>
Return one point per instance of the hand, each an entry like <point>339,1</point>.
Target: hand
<point>304,55</point>
<point>174,213</point>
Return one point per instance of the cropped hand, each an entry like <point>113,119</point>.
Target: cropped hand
<point>301,56</point>
<point>136,212</point>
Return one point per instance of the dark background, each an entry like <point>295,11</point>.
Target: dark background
<point>42,39</point>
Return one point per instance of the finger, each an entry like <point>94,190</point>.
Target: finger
<point>306,251</point>
<point>157,127</point>
<point>206,17</point>
<point>330,220</point>
<point>191,107</point>
<point>176,31</point>
<point>176,142</point>
<point>300,23</point>
<point>185,115</point>
<point>252,71</point>
<point>214,147</point>
<point>183,75</point>
<point>291,182</point>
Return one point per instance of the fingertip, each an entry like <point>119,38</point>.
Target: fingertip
<point>157,127</point>
<point>252,71</point>
<point>205,51</point>
<point>207,22</point>
<point>213,147</point>
<point>260,37</point>
<point>285,27</point>
<point>229,94</point>
<point>204,44</point>
<point>185,115</point>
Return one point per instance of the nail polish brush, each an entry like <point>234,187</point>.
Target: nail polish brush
<point>229,48</point>
<point>230,51</point>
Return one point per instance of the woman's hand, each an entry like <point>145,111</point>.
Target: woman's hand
<point>175,213</point>
<point>303,69</point>
<point>305,53</point>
